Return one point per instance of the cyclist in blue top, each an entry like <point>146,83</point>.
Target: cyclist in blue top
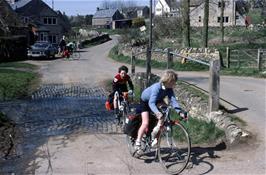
<point>151,97</point>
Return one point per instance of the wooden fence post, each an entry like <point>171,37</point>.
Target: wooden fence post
<point>214,85</point>
<point>133,62</point>
<point>259,59</point>
<point>228,57</point>
<point>169,58</point>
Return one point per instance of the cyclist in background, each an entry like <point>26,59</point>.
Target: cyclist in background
<point>152,96</point>
<point>120,82</point>
<point>71,47</point>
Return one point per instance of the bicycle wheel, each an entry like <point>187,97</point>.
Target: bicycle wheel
<point>124,116</point>
<point>130,144</point>
<point>76,55</point>
<point>174,148</point>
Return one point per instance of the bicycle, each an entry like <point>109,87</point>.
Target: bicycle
<point>123,107</point>
<point>74,54</point>
<point>173,147</point>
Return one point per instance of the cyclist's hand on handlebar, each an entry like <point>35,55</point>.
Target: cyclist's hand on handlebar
<point>159,115</point>
<point>183,114</point>
<point>130,92</point>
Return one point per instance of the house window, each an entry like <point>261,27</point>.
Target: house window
<point>53,39</point>
<point>50,20</point>
<point>237,17</point>
<point>26,19</point>
<point>43,37</point>
<point>225,19</point>
<point>220,4</point>
<point>199,18</point>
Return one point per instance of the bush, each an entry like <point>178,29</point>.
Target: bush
<point>167,27</point>
<point>138,22</point>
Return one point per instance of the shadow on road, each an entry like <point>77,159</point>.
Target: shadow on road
<point>200,154</point>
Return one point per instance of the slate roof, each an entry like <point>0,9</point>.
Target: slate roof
<point>35,7</point>
<point>106,13</point>
<point>173,3</point>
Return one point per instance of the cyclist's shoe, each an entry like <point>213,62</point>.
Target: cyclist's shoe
<point>138,151</point>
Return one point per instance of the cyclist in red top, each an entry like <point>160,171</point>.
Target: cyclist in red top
<point>120,84</point>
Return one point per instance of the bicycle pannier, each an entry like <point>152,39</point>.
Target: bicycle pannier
<point>109,103</point>
<point>132,125</point>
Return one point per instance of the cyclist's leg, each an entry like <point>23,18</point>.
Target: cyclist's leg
<point>143,127</point>
<point>115,105</point>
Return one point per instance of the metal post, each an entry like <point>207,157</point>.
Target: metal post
<point>259,59</point>
<point>133,62</point>
<point>149,49</point>
<point>228,57</point>
<point>214,85</point>
<point>148,65</point>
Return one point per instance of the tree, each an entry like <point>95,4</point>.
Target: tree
<point>185,22</point>
<point>118,4</point>
<point>206,23</point>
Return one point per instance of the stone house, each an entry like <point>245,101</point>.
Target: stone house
<point>51,25</point>
<point>136,12</point>
<point>167,8</point>
<point>103,18</point>
<point>231,16</point>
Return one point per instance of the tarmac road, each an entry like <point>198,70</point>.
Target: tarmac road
<point>93,154</point>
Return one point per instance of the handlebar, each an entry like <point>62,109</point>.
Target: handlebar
<point>166,108</point>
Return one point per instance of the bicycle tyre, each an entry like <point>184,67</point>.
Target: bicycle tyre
<point>124,116</point>
<point>75,55</point>
<point>130,144</point>
<point>174,148</point>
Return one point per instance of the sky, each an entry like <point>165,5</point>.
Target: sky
<point>82,7</point>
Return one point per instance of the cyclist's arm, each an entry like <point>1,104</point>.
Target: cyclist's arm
<point>131,86</point>
<point>174,102</point>
<point>153,99</point>
<point>115,85</point>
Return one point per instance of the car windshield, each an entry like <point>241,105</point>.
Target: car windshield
<point>42,45</point>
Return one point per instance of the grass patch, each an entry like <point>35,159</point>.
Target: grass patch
<point>201,132</point>
<point>192,90</point>
<point>16,84</point>
<point>18,65</point>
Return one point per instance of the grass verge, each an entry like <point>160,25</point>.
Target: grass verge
<point>15,83</point>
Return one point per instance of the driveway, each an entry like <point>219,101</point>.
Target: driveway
<point>106,152</point>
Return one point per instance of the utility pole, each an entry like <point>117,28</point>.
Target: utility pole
<point>149,49</point>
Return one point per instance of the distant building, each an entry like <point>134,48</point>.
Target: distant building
<point>103,18</point>
<point>136,12</point>
<point>51,25</point>
<point>231,16</point>
<point>167,8</point>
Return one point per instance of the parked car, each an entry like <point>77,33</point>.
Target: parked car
<point>42,49</point>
